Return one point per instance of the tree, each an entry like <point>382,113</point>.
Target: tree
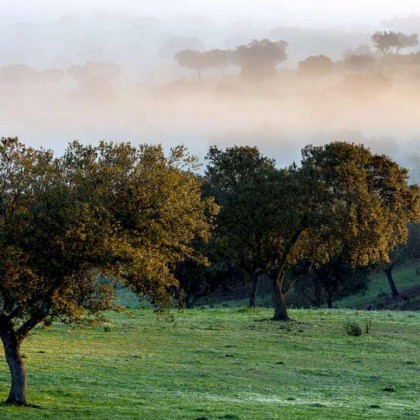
<point>329,281</point>
<point>384,41</point>
<point>259,59</point>
<point>316,66</point>
<point>237,177</point>
<point>406,41</point>
<point>113,212</point>
<point>336,277</point>
<point>192,59</point>
<point>218,59</point>
<point>401,254</point>
<point>346,202</point>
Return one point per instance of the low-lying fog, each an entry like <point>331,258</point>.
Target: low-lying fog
<point>109,75</point>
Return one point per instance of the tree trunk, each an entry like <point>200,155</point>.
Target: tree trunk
<point>280,310</point>
<point>11,344</point>
<point>330,298</point>
<point>189,302</point>
<point>318,291</point>
<point>391,282</point>
<point>254,290</point>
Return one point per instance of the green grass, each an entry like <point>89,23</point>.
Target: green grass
<point>224,364</point>
<point>405,278</point>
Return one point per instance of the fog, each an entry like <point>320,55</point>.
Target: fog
<point>107,71</point>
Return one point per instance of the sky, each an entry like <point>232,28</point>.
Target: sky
<point>153,100</point>
<point>292,12</point>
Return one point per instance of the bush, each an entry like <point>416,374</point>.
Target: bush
<point>353,328</point>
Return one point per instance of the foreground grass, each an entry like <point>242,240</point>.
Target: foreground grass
<point>224,364</point>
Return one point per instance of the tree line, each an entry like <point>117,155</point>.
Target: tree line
<point>75,228</point>
<point>259,58</point>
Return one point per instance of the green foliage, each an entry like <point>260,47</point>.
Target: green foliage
<point>128,213</point>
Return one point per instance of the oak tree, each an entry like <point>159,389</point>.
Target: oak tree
<point>71,228</point>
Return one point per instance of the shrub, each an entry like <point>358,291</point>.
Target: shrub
<point>353,328</point>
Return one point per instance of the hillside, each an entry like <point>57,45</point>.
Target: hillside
<point>377,296</point>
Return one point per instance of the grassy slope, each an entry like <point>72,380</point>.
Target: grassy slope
<point>405,277</point>
<point>224,364</point>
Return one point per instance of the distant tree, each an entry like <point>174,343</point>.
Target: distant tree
<point>74,227</point>
<point>218,59</point>
<point>95,77</point>
<point>384,41</point>
<point>21,74</point>
<point>359,62</point>
<point>414,241</point>
<point>192,59</point>
<point>316,66</point>
<point>362,49</point>
<point>338,278</point>
<point>197,281</point>
<point>406,41</point>
<point>402,254</point>
<point>259,59</point>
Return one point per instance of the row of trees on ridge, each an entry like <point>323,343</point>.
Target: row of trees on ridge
<point>259,58</point>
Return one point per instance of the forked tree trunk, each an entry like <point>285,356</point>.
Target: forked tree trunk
<point>279,301</point>
<point>254,290</point>
<point>17,395</point>
<point>391,282</point>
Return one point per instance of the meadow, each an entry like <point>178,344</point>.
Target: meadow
<point>224,363</point>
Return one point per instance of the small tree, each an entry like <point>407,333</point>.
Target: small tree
<point>117,212</point>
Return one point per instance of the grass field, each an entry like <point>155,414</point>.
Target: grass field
<point>224,364</point>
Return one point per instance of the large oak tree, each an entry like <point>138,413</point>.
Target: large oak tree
<point>113,212</point>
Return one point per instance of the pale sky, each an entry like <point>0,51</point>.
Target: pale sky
<point>293,12</point>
